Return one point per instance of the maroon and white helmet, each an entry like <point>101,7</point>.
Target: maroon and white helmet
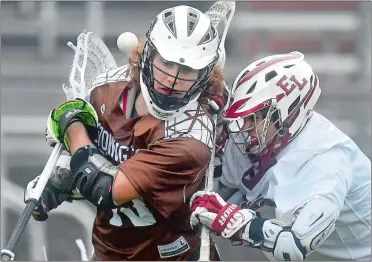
<point>283,86</point>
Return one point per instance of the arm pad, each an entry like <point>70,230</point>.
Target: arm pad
<point>94,176</point>
<point>314,223</point>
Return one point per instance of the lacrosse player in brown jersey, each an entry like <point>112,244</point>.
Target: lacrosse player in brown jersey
<point>141,147</point>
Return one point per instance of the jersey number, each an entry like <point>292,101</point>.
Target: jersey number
<point>138,214</point>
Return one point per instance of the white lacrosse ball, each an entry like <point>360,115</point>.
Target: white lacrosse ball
<point>126,42</point>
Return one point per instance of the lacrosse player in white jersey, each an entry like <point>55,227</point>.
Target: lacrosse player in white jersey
<point>282,153</point>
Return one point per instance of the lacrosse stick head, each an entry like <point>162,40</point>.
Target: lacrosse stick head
<point>221,14</point>
<point>91,58</point>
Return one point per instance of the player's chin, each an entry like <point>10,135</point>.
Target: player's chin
<point>161,89</point>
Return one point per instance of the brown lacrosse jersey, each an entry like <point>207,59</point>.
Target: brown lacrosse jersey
<point>164,160</point>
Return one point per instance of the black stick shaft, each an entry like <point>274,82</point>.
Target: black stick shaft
<point>19,229</point>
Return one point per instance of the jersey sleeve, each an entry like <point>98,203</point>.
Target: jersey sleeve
<point>326,175</point>
<point>168,173</point>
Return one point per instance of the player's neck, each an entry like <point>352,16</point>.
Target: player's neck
<point>140,106</point>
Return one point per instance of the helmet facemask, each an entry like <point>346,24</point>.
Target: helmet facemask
<point>252,146</point>
<point>170,98</point>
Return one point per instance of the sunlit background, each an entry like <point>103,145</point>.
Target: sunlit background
<point>35,61</point>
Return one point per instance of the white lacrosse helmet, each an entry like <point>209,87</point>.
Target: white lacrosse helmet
<point>185,36</point>
<point>284,87</point>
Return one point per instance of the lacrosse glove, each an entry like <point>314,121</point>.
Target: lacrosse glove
<point>64,115</point>
<point>57,190</point>
<point>225,219</point>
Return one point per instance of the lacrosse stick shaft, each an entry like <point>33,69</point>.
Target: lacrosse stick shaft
<point>217,13</point>
<point>204,234</point>
<point>7,254</point>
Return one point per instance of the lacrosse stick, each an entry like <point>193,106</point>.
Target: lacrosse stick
<point>91,58</point>
<point>221,11</point>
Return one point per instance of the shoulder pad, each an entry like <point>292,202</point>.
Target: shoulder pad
<point>194,122</point>
<point>120,74</point>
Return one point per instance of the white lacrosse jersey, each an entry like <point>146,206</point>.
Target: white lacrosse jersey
<point>321,160</point>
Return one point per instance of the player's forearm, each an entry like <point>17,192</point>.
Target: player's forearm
<point>77,137</point>
<point>312,224</point>
<point>123,191</point>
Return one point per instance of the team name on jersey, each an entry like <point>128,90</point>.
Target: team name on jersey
<point>109,146</point>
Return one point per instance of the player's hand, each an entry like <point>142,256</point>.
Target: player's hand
<point>57,190</point>
<point>222,218</point>
<point>217,103</point>
<point>64,115</point>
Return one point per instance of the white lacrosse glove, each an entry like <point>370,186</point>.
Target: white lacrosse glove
<point>209,209</point>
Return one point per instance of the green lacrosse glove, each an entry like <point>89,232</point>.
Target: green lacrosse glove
<point>64,115</point>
